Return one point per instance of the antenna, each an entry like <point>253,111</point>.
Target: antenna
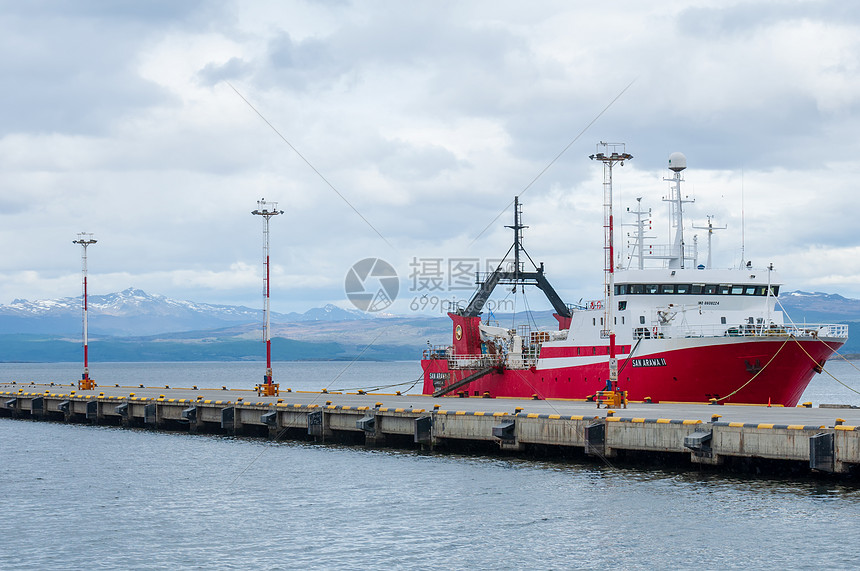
<point>609,158</point>
<point>677,163</point>
<point>743,222</point>
<point>267,210</point>
<point>710,228</point>
<point>518,239</point>
<point>640,237</point>
<point>85,239</point>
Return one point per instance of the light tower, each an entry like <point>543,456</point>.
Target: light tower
<point>85,239</point>
<point>267,210</point>
<point>614,154</point>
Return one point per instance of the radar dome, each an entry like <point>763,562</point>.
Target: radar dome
<point>677,162</point>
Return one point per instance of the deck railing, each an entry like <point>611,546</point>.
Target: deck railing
<point>805,331</point>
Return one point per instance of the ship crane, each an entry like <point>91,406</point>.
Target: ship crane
<point>506,339</point>
<point>515,276</point>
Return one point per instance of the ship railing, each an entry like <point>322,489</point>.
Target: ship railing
<point>829,330</point>
<point>805,331</point>
<point>810,331</point>
<point>474,361</point>
<point>437,352</point>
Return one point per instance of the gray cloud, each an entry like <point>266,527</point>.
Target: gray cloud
<point>428,117</point>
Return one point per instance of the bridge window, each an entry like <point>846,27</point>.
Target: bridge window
<point>723,320</point>
<point>642,319</point>
<point>694,289</point>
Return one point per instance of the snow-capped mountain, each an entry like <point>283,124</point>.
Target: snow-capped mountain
<point>135,312</point>
<point>125,303</point>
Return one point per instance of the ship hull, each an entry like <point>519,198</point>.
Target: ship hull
<point>740,370</point>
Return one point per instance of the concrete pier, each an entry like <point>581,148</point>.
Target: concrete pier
<point>824,439</point>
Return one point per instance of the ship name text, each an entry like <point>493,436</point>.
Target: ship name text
<point>658,362</point>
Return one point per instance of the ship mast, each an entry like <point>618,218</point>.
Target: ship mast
<point>614,153</point>
<point>710,228</point>
<point>518,238</point>
<point>640,237</point>
<point>677,163</point>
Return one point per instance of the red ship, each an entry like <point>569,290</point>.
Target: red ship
<point>679,332</point>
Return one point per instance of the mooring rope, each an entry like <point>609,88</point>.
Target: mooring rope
<point>760,371</point>
<point>380,387</point>
<point>825,370</point>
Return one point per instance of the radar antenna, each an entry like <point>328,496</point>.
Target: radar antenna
<point>677,163</point>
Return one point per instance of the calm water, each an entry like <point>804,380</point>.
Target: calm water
<point>99,497</point>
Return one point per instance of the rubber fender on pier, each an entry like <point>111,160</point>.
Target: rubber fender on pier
<point>149,414</point>
<point>367,423</point>
<point>122,410</point>
<point>190,414</point>
<point>270,418</point>
<point>505,430</point>
<point>315,423</point>
<point>92,410</point>
<point>423,427</point>
<point>821,451</point>
<point>699,440</point>
<point>228,418</point>
<point>64,406</point>
<point>595,438</point>
<point>12,403</point>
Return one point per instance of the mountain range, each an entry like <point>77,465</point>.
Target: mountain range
<point>134,312</point>
<point>133,325</point>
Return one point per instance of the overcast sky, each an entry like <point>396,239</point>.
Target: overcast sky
<point>118,118</point>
